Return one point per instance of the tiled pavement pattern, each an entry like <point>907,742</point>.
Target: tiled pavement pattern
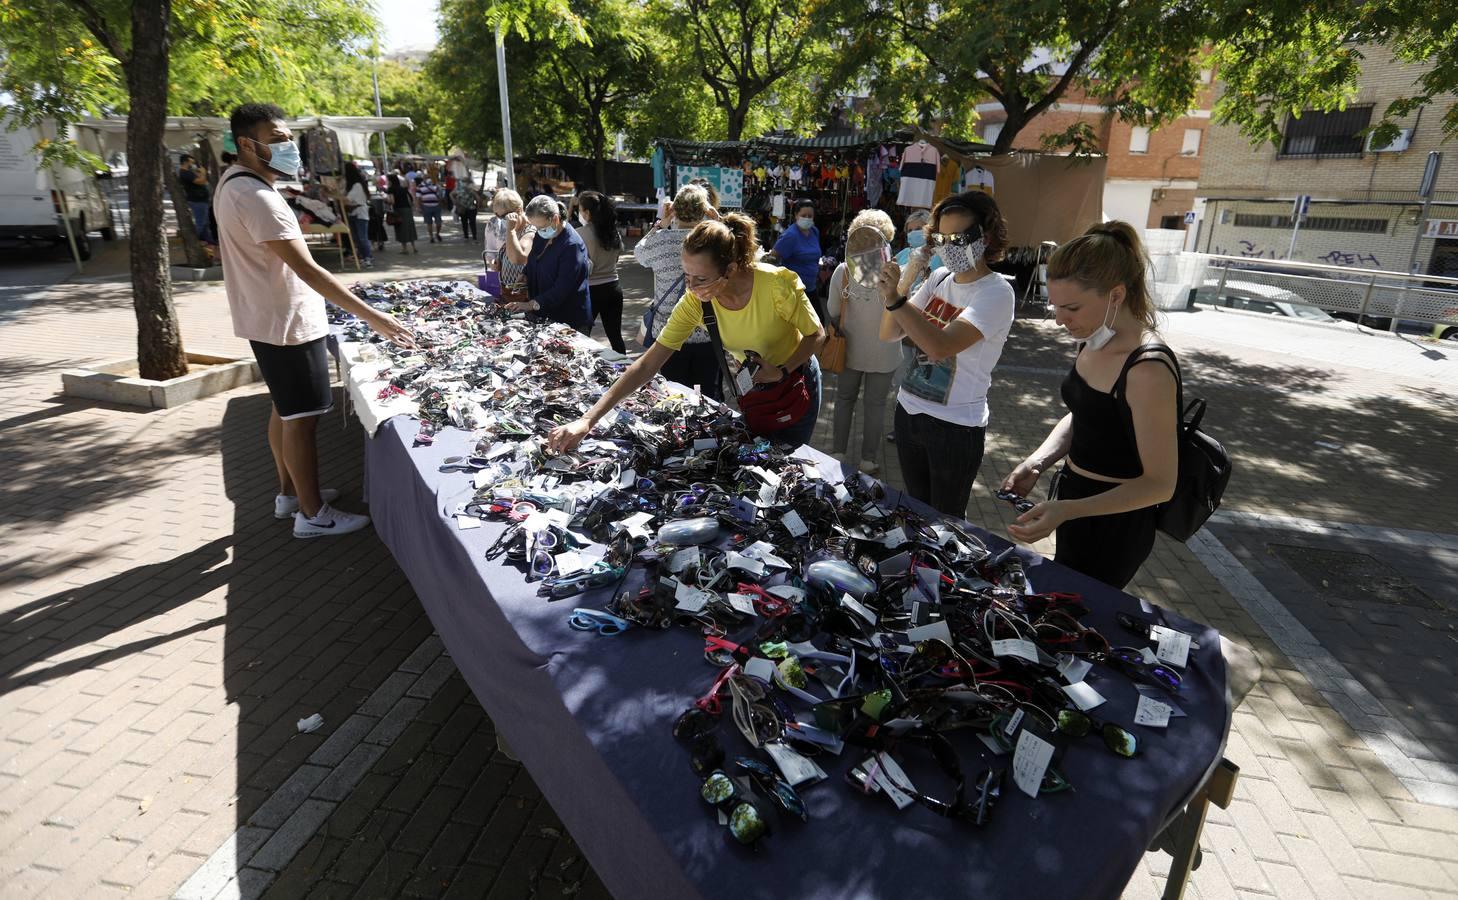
<point>160,634</point>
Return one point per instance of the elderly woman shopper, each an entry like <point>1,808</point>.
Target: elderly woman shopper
<point>764,318</point>
<point>402,207</point>
<point>556,268</point>
<point>660,250</point>
<point>506,246</point>
<point>855,312</point>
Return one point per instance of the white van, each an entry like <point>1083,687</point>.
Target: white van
<point>31,198</point>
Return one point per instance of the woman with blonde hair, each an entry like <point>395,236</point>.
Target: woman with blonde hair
<point>1119,441</point>
<point>660,250</point>
<point>855,312</point>
<point>508,236</point>
<point>764,318</point>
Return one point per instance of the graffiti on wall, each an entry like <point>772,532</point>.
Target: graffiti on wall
<point>1350,258</point>
<point>1247,249</point>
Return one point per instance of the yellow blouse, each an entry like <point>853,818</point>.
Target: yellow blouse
<point>778,316</point>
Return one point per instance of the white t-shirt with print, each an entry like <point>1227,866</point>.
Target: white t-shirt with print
<point>955,389</point>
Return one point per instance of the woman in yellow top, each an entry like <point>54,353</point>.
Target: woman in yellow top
<point>761,310</point>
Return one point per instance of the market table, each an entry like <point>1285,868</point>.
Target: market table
<point>591,717</point>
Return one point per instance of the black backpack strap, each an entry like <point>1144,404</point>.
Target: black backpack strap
<point>711,324</point>
<point>212,219</point>
<point>1160,353</point>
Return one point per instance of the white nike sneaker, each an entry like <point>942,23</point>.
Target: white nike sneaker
<point>284,507</point>
<point>869,466</point>
<point>328,523</point>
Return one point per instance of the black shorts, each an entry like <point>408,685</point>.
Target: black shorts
<point>297,376</point>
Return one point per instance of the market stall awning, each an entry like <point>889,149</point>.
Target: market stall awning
<point>110,133</point>
<point>848,141</point>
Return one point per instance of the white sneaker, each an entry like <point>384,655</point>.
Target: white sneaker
<point>869,466</point>
<point>328,523</point>
<point>284,507</point>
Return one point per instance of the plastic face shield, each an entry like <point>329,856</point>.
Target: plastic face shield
<point>866,251</point>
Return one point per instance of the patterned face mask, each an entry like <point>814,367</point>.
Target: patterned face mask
<point>961,259</point>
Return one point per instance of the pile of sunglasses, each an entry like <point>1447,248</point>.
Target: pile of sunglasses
<point>833,621</point>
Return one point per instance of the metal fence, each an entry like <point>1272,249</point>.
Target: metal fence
<point>1362,292</point>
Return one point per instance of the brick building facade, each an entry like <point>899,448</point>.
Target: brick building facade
<point>1151,175</point>
<point>1365,207</point>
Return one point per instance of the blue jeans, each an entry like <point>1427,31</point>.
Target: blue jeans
<point>800,432</point>
<point>200,220</point>
<point>360,229</point>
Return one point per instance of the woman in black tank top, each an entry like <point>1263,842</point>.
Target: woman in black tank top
<point>1118,441</point>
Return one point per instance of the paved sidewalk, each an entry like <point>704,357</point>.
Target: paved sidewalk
<point>161,634</point>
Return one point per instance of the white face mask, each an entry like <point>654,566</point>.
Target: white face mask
<point>1104,333</point>
<point>805,222</point>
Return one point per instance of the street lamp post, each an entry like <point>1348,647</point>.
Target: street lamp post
<point>505,109</point>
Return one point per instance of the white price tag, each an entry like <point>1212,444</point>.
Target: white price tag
<point>884,774</point>
<point>745,381</point>
<point>1152,713</point>
<point>536,522</point>
<point>797,769</point>
<point>1030,762</point>
<point>1013,723</point>
<point>850,603</point>
<point>743,603</point>
<point>1174,646</point>
<point>482,478</point>
<point>499,449</point>
<point>931,580</point>
<point>1072,668</point>
<point>571,562</point>
<point>895,538</point>
<point>628,479</point>
<point>1083,696</point>
<point>760,668</point>
<point>794,524</point>
<point>1016,647</point>
<point>1149,658</point>
<point>688,556</point>
<point>895,565</point>
<point>740,561</point>
<point>935,631</point>
<point>559,518</point>
<point>466,523</point>
<point>841,494</point>
<point>691,599</point>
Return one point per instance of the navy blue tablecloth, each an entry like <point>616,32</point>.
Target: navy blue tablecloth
<point>591,718</point>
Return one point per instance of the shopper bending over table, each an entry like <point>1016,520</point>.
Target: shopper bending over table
<point>958,321</point>
<point>1118,442</point>
<point>761,309</point>
<point>556,269</point>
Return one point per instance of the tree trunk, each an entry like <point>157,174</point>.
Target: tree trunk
<point>159,341</point>
<point>192,248</point>
<point>1014,124</point>
<point>737,117</point>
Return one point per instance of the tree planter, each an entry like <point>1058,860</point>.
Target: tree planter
<point>115,381</point>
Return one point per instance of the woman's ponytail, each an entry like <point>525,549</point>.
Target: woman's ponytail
<point>1102,258</point>
<point>726,241</point>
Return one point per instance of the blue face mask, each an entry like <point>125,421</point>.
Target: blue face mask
<point>285,158</point>
<point>547,233</point>
<point>805,222</point>
<point>916,239</point>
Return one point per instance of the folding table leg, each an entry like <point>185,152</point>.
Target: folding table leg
<point>1219,789</point>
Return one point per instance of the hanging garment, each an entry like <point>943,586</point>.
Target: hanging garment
<point>875,176</point>
<point>918,176</point>
<point>978,179</point>
<point>949,180</point>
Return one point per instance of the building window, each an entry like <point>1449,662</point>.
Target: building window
<point>1318,134</point>
<point>1191,146</point>
<point>1312,223</point>
<point>1139,139</point>
<point>990,132</point>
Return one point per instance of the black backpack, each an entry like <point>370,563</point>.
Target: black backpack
<point>212,219</point>
<point>1204,466</point>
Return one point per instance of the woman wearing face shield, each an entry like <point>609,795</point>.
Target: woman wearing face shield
<point>855,311</point>
<point>1119,441</point>
<point>556,269</point>
<point>958,321</point>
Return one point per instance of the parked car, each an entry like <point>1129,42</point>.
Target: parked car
<point>1263,298</point>
<point>35,202</point>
